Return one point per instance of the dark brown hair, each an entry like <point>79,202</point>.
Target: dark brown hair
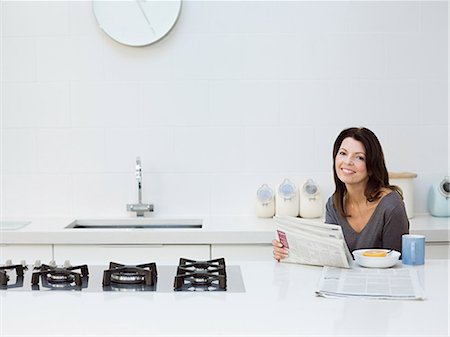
<point>376,167</point>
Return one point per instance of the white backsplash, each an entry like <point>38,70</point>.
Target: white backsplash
<point>237,95</point>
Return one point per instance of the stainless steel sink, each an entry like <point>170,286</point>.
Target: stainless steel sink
<point>135,223</point>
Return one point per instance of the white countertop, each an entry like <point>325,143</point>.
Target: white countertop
<point>216,230</point>
<point>279,300</point>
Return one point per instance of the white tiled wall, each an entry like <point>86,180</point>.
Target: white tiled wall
<point>237,95</point>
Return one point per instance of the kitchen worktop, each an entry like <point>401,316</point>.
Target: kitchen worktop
<point>216,230</point>
<point>279,300</point>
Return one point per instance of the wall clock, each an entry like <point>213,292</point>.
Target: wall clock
<point>137,22</point>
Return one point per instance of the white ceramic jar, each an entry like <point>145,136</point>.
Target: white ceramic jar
<point>287,199</point>
<point>265,202</point>
<point>404,180</point>
<point>311,200</point>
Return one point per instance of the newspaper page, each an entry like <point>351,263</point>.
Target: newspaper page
<point>312,243</point>
<point>358,282</point>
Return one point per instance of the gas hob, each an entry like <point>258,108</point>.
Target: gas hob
<point>189,275</point>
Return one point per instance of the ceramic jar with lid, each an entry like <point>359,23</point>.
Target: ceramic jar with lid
<point>404,180</point>
<point>287,199</point>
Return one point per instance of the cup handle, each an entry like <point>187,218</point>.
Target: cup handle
<point>413,252</point>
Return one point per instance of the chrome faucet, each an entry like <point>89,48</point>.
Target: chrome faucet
<point>139,208</point>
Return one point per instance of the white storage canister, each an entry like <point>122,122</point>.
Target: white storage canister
<point>287,199</point>
<point>404,180</point>
<point>311,200</point>
<point>265,202</point>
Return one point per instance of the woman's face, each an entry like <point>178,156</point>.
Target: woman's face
<point>350,162</point>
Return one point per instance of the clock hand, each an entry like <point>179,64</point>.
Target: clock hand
<point>145,15</point>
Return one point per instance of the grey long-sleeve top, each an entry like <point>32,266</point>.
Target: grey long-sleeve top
<point>383,230</point>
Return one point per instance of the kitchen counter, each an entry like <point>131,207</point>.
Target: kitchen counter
<point>216,230</point>
<point>279,300</point>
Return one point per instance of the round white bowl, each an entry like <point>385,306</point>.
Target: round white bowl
<point>376,262</point>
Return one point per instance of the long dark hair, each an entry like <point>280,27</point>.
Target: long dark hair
<point>375,164</point>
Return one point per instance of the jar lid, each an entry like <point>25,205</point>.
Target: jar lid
<point>287,189</point>
<point>310,187</point>
<point>264,194</point>
<point>402,175</point>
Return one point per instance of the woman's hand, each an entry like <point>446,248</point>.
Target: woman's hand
<point>279,252</point>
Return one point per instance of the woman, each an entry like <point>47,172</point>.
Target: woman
<point>370,211</point>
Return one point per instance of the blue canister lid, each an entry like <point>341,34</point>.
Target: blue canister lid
<point>287,189</point>
<point>264,194</point>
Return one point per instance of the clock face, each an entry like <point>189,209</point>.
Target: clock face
<point>137,22</point>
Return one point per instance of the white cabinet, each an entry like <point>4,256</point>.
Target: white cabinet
<point>437,250</point>
<point>129,254</point>
<point>247,252</point>
<point>29,253</point>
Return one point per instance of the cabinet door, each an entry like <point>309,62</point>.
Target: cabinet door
<point>29,253</point>
<point>237,253</point>
<point>435,250</point>
<point>129,254</point>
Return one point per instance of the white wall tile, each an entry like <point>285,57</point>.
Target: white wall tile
<point>53,58</point>
<point>101,195</point>
<point>18,59</point>
<point>36,104</point>
<point>368,101</point>
<point>16,192</point>
<point>208,149</point>
<point>32,18</point>
<point>433,154</point>
<point>31,195</point>
<point>434,16</point>
<point>18,151</point>
<point>235,194</point>
<point>402,102</point>
<point>300,17</point>
<point>299,55</point>
<point>104,104</point>
<point>54,150</point>
<point>284,149</point>
<point>122,63</point>
<point>194,18</point>
<point>261,56</point>
<point>244,103</point>
<point>433,108</point>
<point>366,55</point>
<point>71,150</point>
<point>323,141</point>
<point>180,103</point>
<point>87,150</point>
<point>50,194</point>
<point>403,55</point>
<point>225,59</point>
<point>192,56</point>
<point>434,55</point>
<point>86,58</point>
<point>178,194</point>
<point>383,16</point>
<point>238,17</point>
<point>82,20</point>
<point>404,152</point>
<point>309,103</point>
<point>155,147</point>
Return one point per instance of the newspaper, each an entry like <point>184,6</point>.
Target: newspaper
<point>312,242</point>
<point>391,283</point>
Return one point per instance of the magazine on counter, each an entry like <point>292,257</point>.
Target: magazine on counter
<point>312,242</point>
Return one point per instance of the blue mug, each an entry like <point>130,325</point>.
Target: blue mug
<point>413,249</point>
